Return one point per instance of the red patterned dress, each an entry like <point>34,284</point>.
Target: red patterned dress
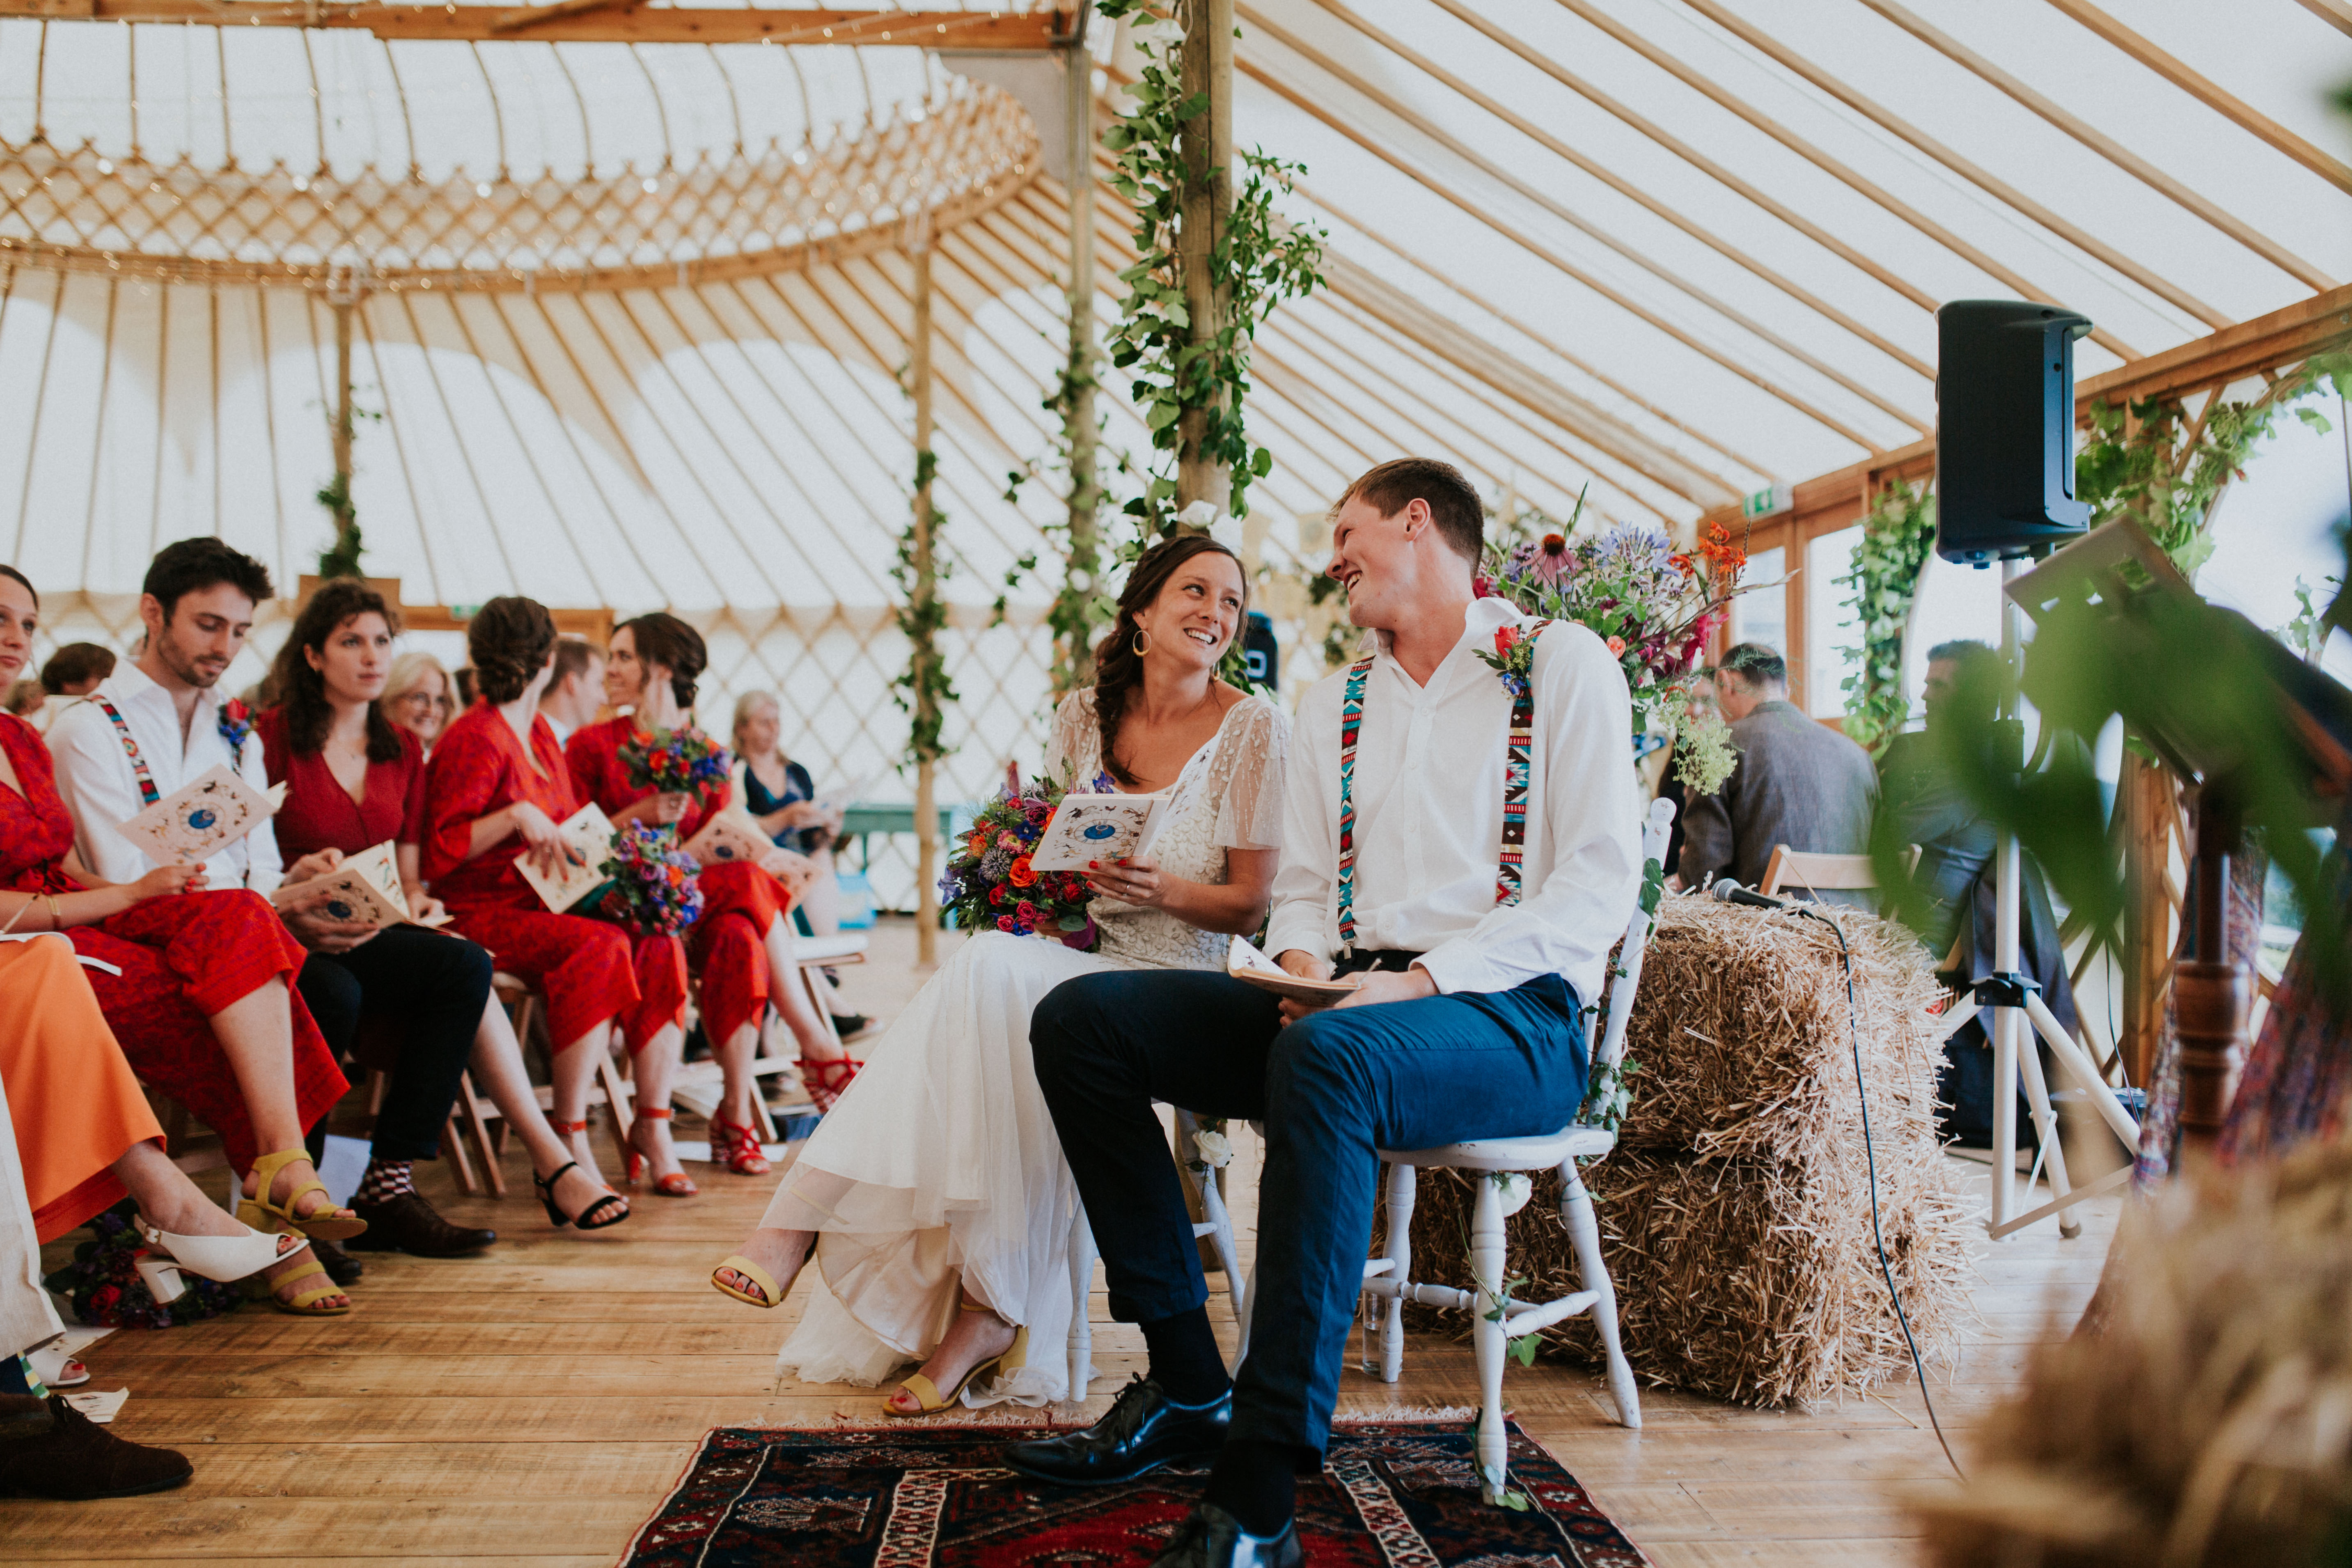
<point>182,959</point>
<point>589,970</point>
<point>728,946</point>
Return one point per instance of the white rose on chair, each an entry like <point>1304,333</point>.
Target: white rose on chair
<point>1216,1149</point>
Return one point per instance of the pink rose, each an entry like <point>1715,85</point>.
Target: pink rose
<point>1617,647</point>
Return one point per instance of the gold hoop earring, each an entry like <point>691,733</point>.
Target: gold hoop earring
<point>1143,645</point>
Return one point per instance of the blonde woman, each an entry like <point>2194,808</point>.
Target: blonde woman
<point>416,697</point>
<point>780,795</point>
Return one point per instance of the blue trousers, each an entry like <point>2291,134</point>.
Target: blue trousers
<point>1331,1089</point>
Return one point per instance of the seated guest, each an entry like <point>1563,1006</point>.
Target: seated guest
<point>71,672</point>
<point>1923,804</point>
<point>576,692</point>
<point>1477,970</point>
<point>353,782</point>
<point>741,945</point>
<point>494,791</point>
<point>203,1004</point>
<point>1796,782</point>
<point>416,697</point>
<point>778,794</point>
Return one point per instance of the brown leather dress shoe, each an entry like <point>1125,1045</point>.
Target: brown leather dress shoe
<point>49,1449</point>
<point>408,1224</point>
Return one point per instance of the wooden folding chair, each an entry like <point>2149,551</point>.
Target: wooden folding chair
<point>612,1088</point>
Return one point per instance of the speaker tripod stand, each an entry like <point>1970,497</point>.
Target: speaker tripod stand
<point>2019,1015</point>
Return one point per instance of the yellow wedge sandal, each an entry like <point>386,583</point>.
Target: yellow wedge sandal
<point>263,1213</point>
<point>927,1393</point>
<point>755,1274</point>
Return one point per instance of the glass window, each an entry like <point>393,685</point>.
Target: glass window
<point>1762,615</point>
<point>1832,631</point>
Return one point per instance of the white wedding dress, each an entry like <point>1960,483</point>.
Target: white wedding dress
<point>941,1158</point>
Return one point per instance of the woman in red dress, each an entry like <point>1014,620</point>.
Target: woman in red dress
<point>354,779</point>
<point>741,946</point>
<point>494,791</point>
<point>201,1000</point>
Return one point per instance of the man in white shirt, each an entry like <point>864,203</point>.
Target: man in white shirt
<point>576,690</point>
<point>1478,960</point>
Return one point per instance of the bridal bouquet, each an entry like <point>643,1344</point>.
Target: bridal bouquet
<point>683,760</point>
<point>654,890</point>
<point>991,886</point>
<point>1655,606</point>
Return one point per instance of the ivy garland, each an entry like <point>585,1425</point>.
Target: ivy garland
<point>1261,260</point>
<point>922,690</point>
<point>1895,538</point>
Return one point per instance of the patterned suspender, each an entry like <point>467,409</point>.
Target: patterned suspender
<point>1517,771</point>
<point>148,793</point>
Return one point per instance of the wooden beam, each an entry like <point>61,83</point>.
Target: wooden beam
<point>2106,146</point>
<point>1013,32</point>
<point>2283,338</point>
<point>2208,93</point>
<point>2335,12</point>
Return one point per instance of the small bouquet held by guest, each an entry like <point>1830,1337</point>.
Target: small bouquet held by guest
<point>991,886</point>
<point>654,887</point>
<point>683,760</point>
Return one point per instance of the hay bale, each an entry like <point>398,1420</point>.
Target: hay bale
<point>1735,1215</point>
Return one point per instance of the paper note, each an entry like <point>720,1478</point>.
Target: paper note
<point>1088,828</point>
<point>363,888</point>
<point>100,1408</point>
<point>1244,962</point>
<point>729,837</point>
<point>590,835</point>
<point>196,822</point>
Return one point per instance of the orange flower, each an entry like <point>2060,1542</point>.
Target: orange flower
<point>1022,874</point>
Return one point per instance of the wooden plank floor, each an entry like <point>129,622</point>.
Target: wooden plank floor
<point>534,1404</point>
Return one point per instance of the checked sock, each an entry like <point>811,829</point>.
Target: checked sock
<point>385,1179</point>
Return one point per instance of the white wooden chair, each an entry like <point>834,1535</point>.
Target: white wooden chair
<point>1503,1192</point>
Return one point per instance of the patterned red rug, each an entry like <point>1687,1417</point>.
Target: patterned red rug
<point>1393,1494</point>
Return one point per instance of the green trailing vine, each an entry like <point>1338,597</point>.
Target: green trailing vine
<point>922,689</point>
<point>1080,607</point>
<point>1895,538</point>
<point>1176,364</point>
<point>342,556</point>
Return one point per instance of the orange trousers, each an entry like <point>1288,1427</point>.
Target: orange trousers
<point>73,1102</point>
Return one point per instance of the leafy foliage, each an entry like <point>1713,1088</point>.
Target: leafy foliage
<point>1895,538</point>
<point>922,689</point>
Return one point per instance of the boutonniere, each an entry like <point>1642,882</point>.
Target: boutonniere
<point>236,724</point>
<point>1514,658</point>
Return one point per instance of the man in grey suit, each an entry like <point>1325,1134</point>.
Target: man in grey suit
<point>1797,781</point>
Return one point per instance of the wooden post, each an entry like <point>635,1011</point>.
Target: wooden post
<point>342,296</point>
<point>1208,151</point>
<point>925,654</point>
<point>2147,911</point>
<point>1075,665</point>
<point>2212,993</point>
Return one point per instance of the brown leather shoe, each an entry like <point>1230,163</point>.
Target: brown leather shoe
<point>49,1449</point>
<point>408,1224</point>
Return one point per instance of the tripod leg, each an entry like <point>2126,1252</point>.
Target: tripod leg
<point>2070,1056</point>
<point>2004,1112</point>
<point>2045,1122</point>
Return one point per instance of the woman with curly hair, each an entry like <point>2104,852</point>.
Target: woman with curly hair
<point>495,793</point>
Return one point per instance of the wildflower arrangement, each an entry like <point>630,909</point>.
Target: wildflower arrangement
<point>103,1284</point>
<point>991,886</point>
<point>683,760</point>
<point>654,889</point>
<point>1655,606</point>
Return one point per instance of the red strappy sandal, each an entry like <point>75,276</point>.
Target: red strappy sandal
<point>825,1081</point>
<point>737,1147</point>
<point>678,1183</point>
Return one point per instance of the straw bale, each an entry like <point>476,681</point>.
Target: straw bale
<point>1735,1215</point>
<point>2210,1422</point>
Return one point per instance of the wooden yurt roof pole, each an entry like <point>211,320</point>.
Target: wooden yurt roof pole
<point>1074,658</point>
<point>1699,83</point>
<point>1983,179</point>
<point>923,589</point>
<point>1207,148</point>
<point>2106,146</point>
<point>2335,12</point>
<point>1012,32</point>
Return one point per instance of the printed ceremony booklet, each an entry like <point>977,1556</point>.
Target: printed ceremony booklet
<point>1099,827</point>
<point>201,819</point>
<point>363,888</point>
<point>727,837</point>
<point>588,831</point>
<point>1245,963</point>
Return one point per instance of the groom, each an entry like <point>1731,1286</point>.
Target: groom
<point>1477,930</point>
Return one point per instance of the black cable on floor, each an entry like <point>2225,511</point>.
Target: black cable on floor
<point>1853,1026</point>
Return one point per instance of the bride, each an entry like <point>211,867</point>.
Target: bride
<point>934,1196</point>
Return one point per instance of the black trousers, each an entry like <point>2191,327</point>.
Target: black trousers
<point>1332,1089</point>
<point>429,986</point>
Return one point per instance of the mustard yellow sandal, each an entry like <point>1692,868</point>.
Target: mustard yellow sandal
<point>303,1303</point>
<point>262,1214</point>
<point>927,1393</point>
<point>754,1273</point>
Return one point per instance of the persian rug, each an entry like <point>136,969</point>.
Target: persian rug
<point>1393,1494</point>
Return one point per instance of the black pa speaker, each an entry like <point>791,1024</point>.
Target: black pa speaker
<point>1259,650</point>
<point>2005,429</point>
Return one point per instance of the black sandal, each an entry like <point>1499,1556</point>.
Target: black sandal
<point>587,1219</point>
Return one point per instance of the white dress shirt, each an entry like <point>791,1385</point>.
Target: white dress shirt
<point>94,776</point>
<point>1429,816</point>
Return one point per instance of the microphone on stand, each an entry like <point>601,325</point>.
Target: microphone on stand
<point>1730,891</point>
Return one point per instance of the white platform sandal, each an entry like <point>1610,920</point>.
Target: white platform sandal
<point>55,1368</point>
<point>218,1257</point>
